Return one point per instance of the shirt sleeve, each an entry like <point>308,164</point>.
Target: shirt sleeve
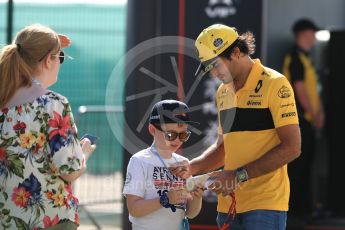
<point>282,103</point>
<point>64,152</point>
<point>135,178</point>
<point>296,68</point>
<point>219,127</point>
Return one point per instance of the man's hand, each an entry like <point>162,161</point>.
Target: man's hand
<point>224,182</point>
<point>181,169</point>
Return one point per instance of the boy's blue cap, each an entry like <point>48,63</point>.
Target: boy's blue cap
<point>170,111</point>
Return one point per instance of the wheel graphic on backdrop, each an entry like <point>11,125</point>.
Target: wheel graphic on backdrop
<point>133,61</point>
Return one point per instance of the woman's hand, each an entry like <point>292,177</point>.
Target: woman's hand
<point>87,148</point>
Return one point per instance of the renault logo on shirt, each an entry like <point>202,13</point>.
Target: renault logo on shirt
<point>258,86</point>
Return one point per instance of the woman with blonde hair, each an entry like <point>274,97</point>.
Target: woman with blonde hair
<point>40,154</point>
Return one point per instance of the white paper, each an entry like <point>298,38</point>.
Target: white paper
<point>204,180</point>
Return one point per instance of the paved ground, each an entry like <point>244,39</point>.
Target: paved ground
<point>108,216</point>
<point>100,196</point>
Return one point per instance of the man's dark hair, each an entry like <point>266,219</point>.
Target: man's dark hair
<point>304,24</point>
<point>245,42</point>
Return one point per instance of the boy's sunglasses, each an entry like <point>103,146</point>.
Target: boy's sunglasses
<point>171,135</point>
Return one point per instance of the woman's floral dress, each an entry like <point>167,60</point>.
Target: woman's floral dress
<point>38,144</point>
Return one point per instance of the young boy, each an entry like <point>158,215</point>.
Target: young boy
<point>156,199</point>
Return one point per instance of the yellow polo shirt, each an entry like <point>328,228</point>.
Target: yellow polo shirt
<point>298,66</point>
<point>247,121</point>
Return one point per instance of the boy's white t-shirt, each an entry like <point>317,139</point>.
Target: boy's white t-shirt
<point>147,177</point>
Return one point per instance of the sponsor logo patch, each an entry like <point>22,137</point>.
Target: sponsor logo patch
<point>209,67</point>
<point>224,92</point>
<point>255,95</point>
<point>291,114</point>
<point>287,105</point>
<point>218,42</point>
<point>253,103</point>
<point>221,46</point>
<point>284,92</point>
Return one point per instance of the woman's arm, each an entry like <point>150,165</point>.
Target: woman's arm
<point>88,149</point>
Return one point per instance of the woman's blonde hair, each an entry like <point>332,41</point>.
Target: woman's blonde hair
<point>19,60</point>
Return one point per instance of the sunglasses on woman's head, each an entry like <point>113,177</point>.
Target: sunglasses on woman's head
<point>172,135</point>
<point>61,56</point>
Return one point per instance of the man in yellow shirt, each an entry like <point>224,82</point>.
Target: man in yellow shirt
<point>300,71</point>
<point>258,132</point>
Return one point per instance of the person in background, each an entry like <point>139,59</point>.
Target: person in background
<point>40,155</point>
<point>155,198</point>
<point>299,69</point>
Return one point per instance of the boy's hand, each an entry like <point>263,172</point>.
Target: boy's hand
<point>178,196</point>
<point>198,192</point>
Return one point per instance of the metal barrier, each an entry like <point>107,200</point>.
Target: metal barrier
<point>102,181</point>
